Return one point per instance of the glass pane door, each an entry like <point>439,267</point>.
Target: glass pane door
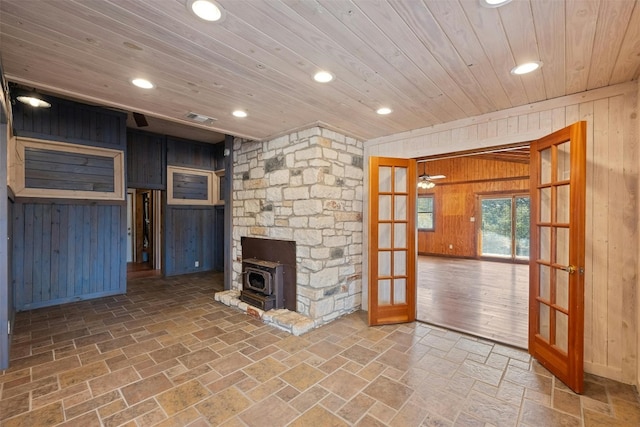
<point>392,240</point>
<point>505,225</point>
<point>556,268</point>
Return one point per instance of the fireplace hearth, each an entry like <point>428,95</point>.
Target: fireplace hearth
<point>262,284</point>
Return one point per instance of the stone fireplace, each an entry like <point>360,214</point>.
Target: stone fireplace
<point>305,187</point>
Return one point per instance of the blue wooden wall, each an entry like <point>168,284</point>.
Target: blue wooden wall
<point>146,160</point>
<point>190,187</point>
<point>72,122</point>
<point>68,252</point>
<point>68,171</point>
<point>190,230</point>
<point>6,237</point>
<point>63,249</point>
<point>192,154</point>
<point>190,238</point>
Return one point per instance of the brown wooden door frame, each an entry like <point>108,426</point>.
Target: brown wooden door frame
<point>393,311</point>
<point>566,365</point>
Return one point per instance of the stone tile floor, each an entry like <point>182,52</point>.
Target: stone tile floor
<point>167,354</point>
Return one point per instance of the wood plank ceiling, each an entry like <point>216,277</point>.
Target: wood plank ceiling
<point>431,61</point>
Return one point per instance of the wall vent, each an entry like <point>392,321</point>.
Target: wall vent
<point>200,118</point>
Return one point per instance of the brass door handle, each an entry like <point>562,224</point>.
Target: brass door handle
<point>569,269</point>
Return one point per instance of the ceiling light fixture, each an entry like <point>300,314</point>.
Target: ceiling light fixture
<point>34,101</point>
<point>323,77</point>
<point>425,183</point>
<point>493,3</point>
<point>142,83</point>
<point>384,110</point>
<point>526,68</point>
<point>207,10</point>
<point>239,113</point>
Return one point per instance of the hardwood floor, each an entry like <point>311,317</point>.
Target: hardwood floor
<point>483,298</point>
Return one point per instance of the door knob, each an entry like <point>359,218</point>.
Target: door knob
<point>569,269</point>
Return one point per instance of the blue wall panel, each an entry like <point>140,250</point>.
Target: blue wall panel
<point>189,238</point>
<point>71,122</point>
<point>70,252</point>
<point>190,187</point>
<point>193,154</point>
<point>146,160</point>
<point>190,231</point>
<point>68,171</point>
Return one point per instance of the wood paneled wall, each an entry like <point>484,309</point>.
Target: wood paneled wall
<point>195,155</point>
<point>146,160</point>
<point>62,170</point>
<point>72,122</point>
<point>6,237</point>
<point>190,234</point>
<point>190,230</point>
<point>611,275</point>
<point>455,200</point>
<point>190,187</point>
<point>67,250</point>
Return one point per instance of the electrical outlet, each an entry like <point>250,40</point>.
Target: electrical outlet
<point>197,264</point>
<point>450,246</point>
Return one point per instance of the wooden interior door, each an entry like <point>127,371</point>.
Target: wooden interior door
<point>556,301</point>
<point>392,240</point>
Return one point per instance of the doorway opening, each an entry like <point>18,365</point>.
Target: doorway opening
<point>473,244</point>
<point>143,233</point>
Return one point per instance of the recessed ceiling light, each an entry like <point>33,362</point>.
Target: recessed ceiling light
<point>323,77</point>
<point>33,101</point>
<point>384,110</point>
<point>142,83</point>
<point>207,10</point>
<point>240,113</point>
<point>526,67</point>
<point>493,3</point>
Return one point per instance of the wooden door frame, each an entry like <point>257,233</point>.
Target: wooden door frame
<point>131,192</point>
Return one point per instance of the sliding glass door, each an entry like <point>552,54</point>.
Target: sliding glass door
<point>504,227</point>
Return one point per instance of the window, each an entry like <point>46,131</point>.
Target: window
<point>504,231</point>
<point>425,213</point>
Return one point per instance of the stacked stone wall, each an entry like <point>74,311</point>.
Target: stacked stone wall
<point>306,187</point>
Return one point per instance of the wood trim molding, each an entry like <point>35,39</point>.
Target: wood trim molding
<point>19,163</point>
<point>213,191</point>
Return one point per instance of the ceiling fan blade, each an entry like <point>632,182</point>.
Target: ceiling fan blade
<point>436,176</point>
<point>140,119</point>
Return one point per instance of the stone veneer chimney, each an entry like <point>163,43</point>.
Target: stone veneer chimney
<point>306,187</point>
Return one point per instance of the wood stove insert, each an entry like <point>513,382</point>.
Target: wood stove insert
<point>269,253</point>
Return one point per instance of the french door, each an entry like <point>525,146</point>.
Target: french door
<point>392,240</point>
<point>556,268</point>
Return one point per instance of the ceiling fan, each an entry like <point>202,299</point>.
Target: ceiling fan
<point>425,181</point>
